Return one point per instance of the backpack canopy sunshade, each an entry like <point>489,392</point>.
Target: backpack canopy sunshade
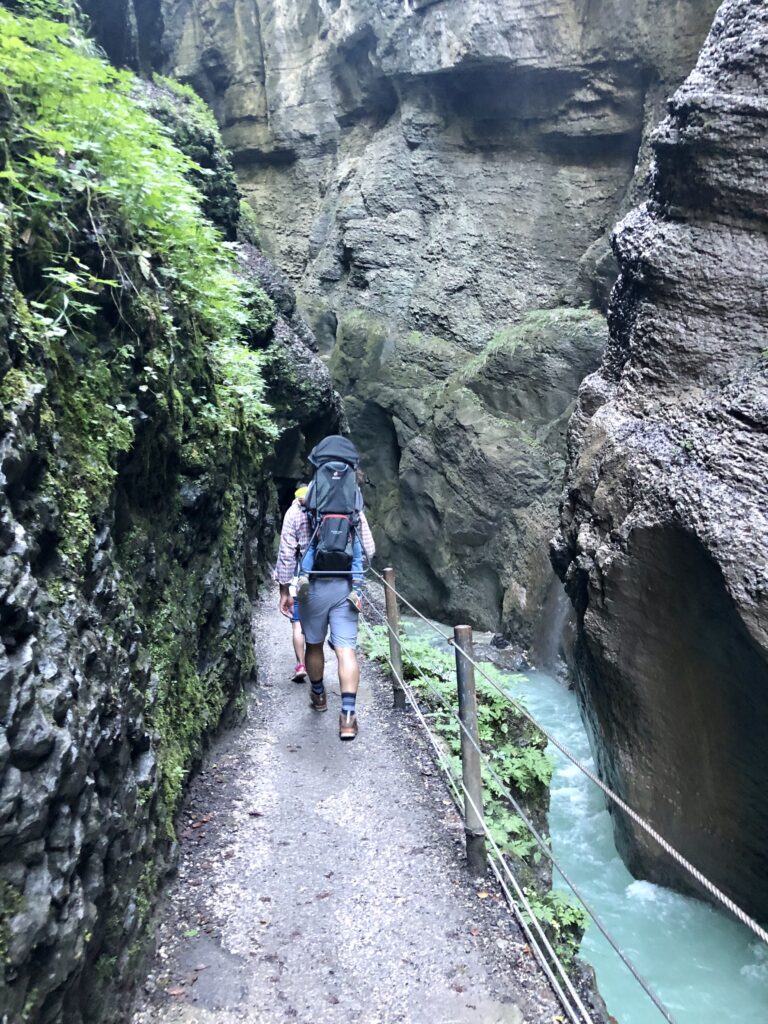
<point>332,449</point>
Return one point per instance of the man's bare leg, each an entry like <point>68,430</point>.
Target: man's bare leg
<point>349,670</point>
<point>315,667</point>
<point>298,642</point>
<point>315,662</point>
<point>349,679</point>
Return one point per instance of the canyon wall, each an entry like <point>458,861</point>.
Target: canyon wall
<point>428,174</point>
<point>137,509</point>
<point>663,542</point>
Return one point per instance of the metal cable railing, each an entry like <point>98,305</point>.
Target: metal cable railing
<point>692,870</point>
<point>540,841</point>
<point>571,1003</point>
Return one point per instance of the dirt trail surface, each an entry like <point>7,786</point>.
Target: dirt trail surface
<point>322,881</point>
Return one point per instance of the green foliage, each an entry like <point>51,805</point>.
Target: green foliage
<point>11,902</point>
<point>515,749</point>
<point>131,344</point>
<point>113,255</point>
<point>200,114</point>
<point>82,137</point>
<point>249,226</point>
<point>564,918</point>
<point>84,148</point>
<point>57,9</point>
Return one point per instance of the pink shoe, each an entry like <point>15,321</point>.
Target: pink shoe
<point>300,674</point>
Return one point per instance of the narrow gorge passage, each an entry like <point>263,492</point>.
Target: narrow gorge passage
<point>324,882</point>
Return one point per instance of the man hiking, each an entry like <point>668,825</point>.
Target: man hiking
<point>333,521</point>
<point>294,515</point>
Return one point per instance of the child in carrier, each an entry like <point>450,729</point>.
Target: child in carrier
<point>334,503</point>
<point>307,563</point>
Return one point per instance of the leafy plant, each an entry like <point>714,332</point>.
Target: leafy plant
<point>84,147</point>
<point>515,749</point>
<point>130,338</point>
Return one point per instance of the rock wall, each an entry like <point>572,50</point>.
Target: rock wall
<point>136,511</point>
<point>440,169</point>
<point>663,541</point>
<point>462,461</point>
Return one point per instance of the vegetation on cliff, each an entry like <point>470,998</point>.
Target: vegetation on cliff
<point>134,503</point>
<point>120,278</point>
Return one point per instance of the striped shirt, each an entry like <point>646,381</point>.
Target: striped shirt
<point>295,537</point>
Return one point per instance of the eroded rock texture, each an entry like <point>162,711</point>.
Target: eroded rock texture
<point>441,168</point>
<point>135,520</point>
<point>664,534</point>
<point>458,449</point>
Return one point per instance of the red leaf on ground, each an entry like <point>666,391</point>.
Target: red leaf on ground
<point>176,991</point>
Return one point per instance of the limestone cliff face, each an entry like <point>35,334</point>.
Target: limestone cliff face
<point>440,168</point>
<point>664,535</point>
<point>136,506</point>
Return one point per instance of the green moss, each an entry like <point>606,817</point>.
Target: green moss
<point>292,397</point>
<point>104,969</point>
<point>190,699</point>
<point>248,226</point>
<point>360,342</point>
<point>95,428</point>
<point>11,902</point>
<point>527,333</point>
<point>17,388</point>
<point>146,891</point>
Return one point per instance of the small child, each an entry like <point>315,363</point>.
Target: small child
<point>355,597</point>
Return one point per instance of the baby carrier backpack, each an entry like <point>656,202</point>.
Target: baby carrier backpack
<point>334,503</point>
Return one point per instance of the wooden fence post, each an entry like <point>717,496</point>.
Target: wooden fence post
<point>395,654</point>
<point>470,750</point>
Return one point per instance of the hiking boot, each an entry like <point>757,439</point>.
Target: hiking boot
<point>355,600</point>
<point>302,587</point>
<point>299,674</point>
<point>318,701</point>
<point>347,725</point>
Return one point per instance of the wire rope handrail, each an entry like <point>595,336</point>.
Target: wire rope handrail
<point>692,870</point>
<point>542,844</point>
<point>582,1017</point>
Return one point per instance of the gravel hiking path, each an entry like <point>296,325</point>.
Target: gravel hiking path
<point>322,881</point>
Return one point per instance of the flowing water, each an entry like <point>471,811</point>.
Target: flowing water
<point>706,968</point>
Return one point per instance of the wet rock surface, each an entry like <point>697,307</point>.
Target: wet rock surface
<point>135,520</point>
<point>464,466</point>
<point>664,537</point>
<point>321,881</point>
<point>440,169</point>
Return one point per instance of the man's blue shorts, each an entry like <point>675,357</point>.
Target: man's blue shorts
<point>295,616</point>
<point>325,606</point>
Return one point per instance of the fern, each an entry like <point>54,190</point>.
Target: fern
<point>513,747</point>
